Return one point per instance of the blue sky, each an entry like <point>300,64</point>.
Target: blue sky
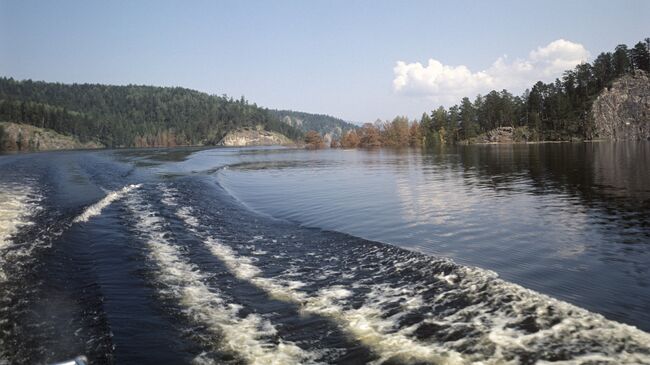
<point>333,57</point>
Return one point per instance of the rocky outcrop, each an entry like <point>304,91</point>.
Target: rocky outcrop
<point>23,137</point>
<point>623,110</point>
<point>500,135</point>
<point>254,137</point>
<point>294,122</point>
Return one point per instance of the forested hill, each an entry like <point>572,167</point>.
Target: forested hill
<point>320,123</point>
<point>132,116</point>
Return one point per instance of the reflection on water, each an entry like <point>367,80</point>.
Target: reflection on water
<point>148,260</point>
<point>565,219</point>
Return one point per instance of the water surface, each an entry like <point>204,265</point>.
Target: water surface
<point>570,220</point>
<point>266,256</point>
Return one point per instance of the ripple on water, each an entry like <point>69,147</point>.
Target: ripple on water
<point>411,308</point>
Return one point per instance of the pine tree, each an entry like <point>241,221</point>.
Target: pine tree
<point>641,56</point>
<point>621,60</point>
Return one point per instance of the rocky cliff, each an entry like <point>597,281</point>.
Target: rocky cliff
<point>623,110</point>
<point>321,123</point>
<point>254,137</point>
<point>23,137</point>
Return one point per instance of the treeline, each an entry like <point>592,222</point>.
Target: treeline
<point>397,133</point>
<point>48,116</point>
<point>132,116</point>
<point>560,110</point>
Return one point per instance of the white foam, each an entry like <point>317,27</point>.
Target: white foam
<point>96,209</point>
<point>168,197</point>
<point>490,323</point>
<point>368,325</point>
<point>247,336</point>
<point>365,323</point>
<point>576,325</point>
<point>14,208</point>
<point>17,205</point>
<point>242,267</point>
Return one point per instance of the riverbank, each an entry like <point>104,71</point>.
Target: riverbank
<point>512,135</point>
<point>16,137</point>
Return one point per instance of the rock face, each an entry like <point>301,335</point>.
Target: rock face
<point>497,135</point>
<point>623,111</point>
<point>23,137</point>
<point>501,135</point>
<point>254,137</point>
<point>294,122</point>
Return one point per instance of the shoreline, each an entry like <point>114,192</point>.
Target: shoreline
<point>297,146</point>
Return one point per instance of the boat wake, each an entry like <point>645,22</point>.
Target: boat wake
<point>18,205</point>
<point>411,308</point>
<point>250,337</point>
<point>96,209</point>
<point>254,290</point>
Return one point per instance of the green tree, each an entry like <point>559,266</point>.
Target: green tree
<point>621,60</point>
<point>468,124</point>
<point>603,70</point>
<point>426,128</point>
<point>453,124</point>
<point>507,109</point>
<point>132,115</point>
<point>440,123</point>
<point>641,56</point>
<point>439,117</point>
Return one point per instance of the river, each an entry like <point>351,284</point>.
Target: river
<point>459,255</point>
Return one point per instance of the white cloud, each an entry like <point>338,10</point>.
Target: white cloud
<point>447,84</point>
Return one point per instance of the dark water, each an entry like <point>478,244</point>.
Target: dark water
<point>569,220</point>
<point>219,256</point>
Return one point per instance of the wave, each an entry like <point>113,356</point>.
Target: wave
<point>357,323</point>
<point>96,209</point>
<point>17,205</point>
<point>248,336</point>
<point>438,311</point>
